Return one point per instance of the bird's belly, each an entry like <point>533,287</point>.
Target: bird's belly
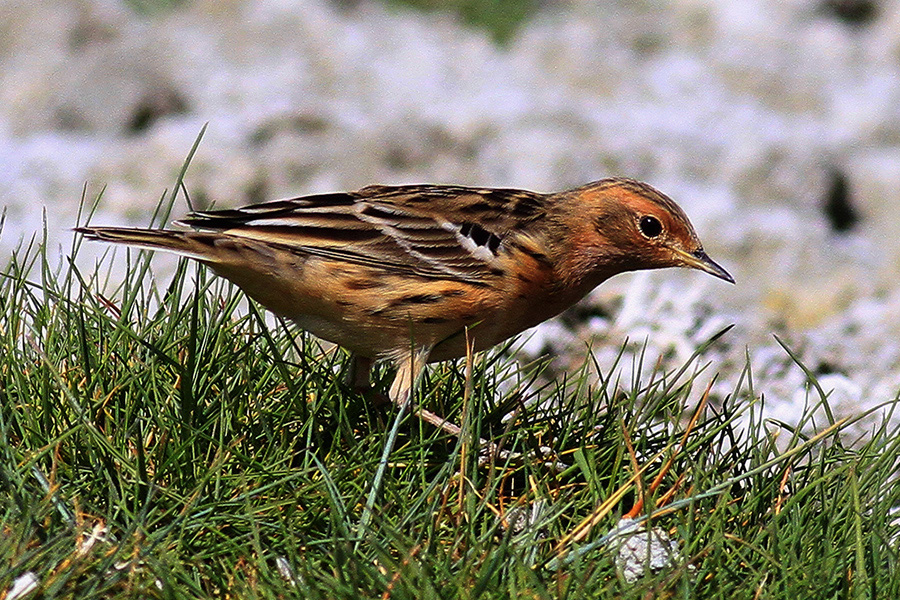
<point>371,340</point>
<point>401,313</point>
<point>368,342</point>
<point>506,322</point>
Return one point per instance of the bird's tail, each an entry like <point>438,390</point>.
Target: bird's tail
<point>193,244</point>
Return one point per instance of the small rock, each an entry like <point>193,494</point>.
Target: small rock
<point>639,550</point>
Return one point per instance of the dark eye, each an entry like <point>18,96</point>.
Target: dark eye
<point>650,226</point>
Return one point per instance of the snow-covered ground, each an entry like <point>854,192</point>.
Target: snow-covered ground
<point>744,111</point>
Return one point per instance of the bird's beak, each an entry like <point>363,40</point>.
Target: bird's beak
<point>699,260</point>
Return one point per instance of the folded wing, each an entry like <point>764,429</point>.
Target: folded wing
<point>445,232</point>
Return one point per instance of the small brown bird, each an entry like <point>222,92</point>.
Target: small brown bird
<point>398,273</point>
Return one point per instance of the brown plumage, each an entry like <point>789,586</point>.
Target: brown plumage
<point>399,272</point>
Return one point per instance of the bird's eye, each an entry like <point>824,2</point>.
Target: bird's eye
<point>650,226</point>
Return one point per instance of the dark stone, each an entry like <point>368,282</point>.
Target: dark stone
<point>852,12</point>
<point>155,106</point>
<point>838,206</point>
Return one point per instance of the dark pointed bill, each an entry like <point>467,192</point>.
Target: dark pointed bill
<point>699,260</point>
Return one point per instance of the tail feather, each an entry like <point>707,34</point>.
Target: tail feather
<point>200,246</point>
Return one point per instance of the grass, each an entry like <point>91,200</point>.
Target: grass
<point>502,19</point>
<point>165,441</point>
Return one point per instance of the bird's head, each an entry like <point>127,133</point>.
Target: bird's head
<point>626,225</point>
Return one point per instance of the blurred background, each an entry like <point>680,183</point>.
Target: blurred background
<point>774,123</point>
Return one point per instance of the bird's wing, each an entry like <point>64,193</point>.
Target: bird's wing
<point>432,231</point>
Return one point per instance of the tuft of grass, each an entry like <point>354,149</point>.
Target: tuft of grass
<point>168,440</point>
<point>501,18</point>
<point>150,8</point>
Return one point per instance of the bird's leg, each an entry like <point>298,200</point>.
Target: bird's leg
<point>410,369</point>
<point>357,379</point>
<point>358,373</point>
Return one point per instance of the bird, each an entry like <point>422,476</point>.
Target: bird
<point>411,274</point>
